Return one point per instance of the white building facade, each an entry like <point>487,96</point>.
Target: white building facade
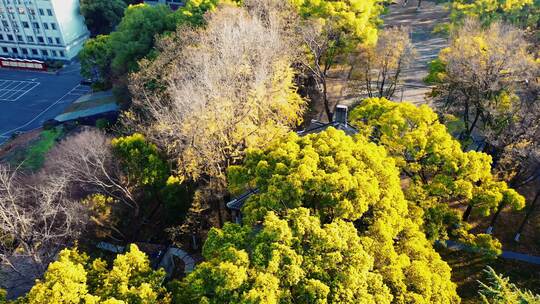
<point>41,29</point>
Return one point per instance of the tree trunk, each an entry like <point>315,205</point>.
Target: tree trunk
<point>467,213</point>
<point>527,216</point>
<point>326,102</point>
<point>500,207</point>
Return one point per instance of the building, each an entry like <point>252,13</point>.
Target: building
<point>41,29</point>
<point>339,122</point>
<point>89,108</point>
<point>173,4</point>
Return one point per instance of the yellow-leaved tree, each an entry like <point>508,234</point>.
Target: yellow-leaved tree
<point>437,170</point>
<point>344,179</point>
<point>74,278</point>
<point>215,91</point>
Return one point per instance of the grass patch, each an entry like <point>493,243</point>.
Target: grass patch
<point>467,269</point>
<point>34,155</point>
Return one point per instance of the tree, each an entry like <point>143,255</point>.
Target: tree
<point>341,178</point>
<point>519,12</point>
<point>334,28</point>
<point>109,58</point>
<point>38,217</point>
<point>74,278</point>
<point>134,37</point>
<point>499,290</point>
<point>214,92</point>
<point>484,70</point>
<point>381,65</point>
<point>438,172</point>
<point>127,171</point>
<point>96,57</point>
<point>101,16</point>
<point>290,260</point>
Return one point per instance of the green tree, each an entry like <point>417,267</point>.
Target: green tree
<point>343,178</point>
<point>135,35</point>
<point>143,164</point>
<point>96,57</point>
<point>499,290</point>
<point>101,16</point>
<point>74,278</point>
<point>439,173</point>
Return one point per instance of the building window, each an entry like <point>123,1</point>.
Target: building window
<point>15,50</point>
<point>40,39</point>
<point>4,49</point>
<point>53,26</point>
<point>31,11</point>
<point>58,40</point>
<point>2,37</point>
<point>44,52</point>
<point>21,10</point>
<point>49,39</point>
<point>62,54</point>
<point>5,23</point>
<point>24,51</point>
<point>30,38</point>
<point>10,37</point>
<point>41,12</point>
<point>34,52</point>
<point>25,24</point>
<point>45,26</point>
<point>35,25</point>
<point>20,38</point>
<point>54,53</point>
<point>49,12</point>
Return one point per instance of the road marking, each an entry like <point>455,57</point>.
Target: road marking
<point>12,90</point>
<point>35,85</point>
<point>41,113</point>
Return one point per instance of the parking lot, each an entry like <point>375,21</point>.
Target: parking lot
<point>11,90</point>
<point>29,98</point>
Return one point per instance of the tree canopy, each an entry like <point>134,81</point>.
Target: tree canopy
<point>344,179</point>
<point>213,92</point>
<point>289,260</point>
<point>101,16</point>
<point>480,75</point>
<point>74,278</point>
<point>438,170</point>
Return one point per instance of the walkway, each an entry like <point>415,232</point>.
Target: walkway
<point>509,255</point>
<point>427,45</point>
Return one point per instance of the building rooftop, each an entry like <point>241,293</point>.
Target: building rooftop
<point>89,105</point>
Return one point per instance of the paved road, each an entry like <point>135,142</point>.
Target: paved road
<point>29,98</point>
<point>421,22</point>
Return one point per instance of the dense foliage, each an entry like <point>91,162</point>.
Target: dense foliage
<point>341,178</point>
<point>101,16</point>
<point>439,172</point>
<point>499,290</point>
<point>75,278</point>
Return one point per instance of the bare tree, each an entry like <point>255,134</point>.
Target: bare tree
<point>379,67</point>
<point>37,219</point>
<point>86,159</point>
<point>321,41</point>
